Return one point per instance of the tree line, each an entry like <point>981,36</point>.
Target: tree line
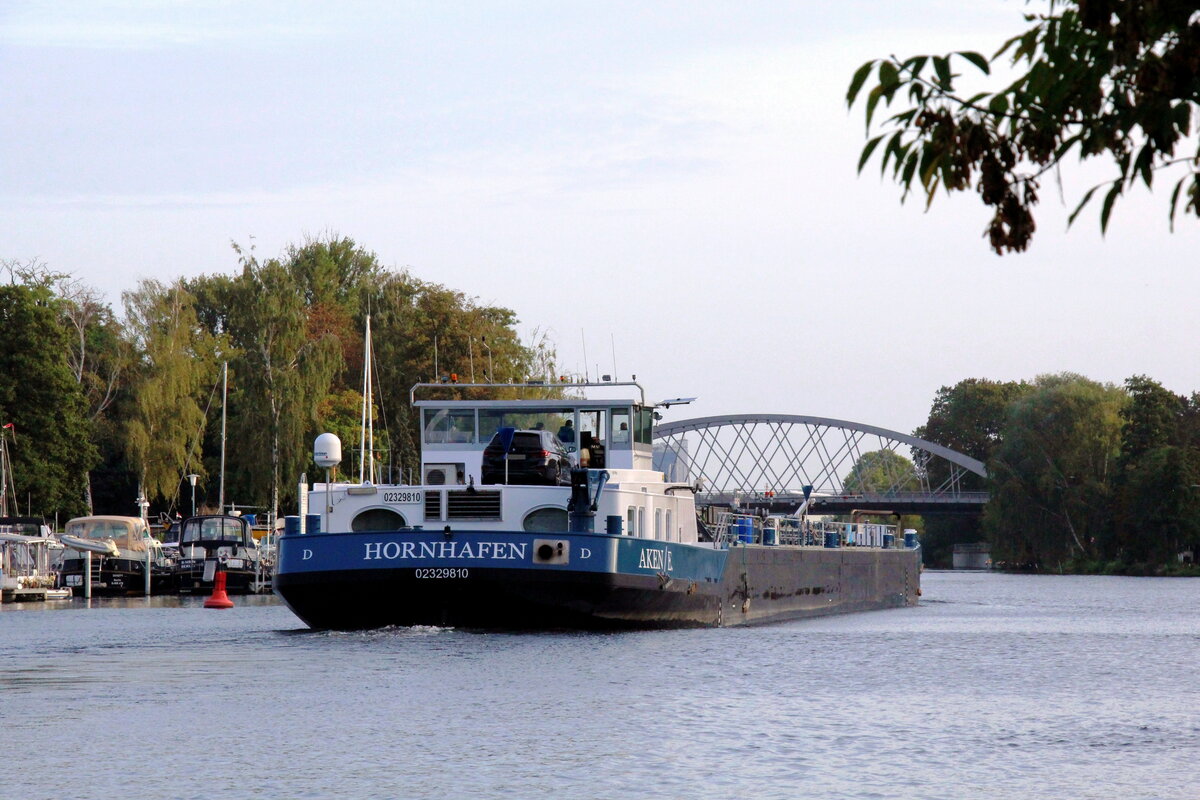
<point>102,408</point>
<point>1083,476</point>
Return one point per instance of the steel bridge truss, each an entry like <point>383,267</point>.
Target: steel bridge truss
<point>768,455</point>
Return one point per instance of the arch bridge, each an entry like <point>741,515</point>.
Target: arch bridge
<point>768,461</point>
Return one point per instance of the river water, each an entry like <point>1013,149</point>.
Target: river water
<point>996,686</point>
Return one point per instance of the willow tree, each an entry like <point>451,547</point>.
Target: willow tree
<point>173,364</point>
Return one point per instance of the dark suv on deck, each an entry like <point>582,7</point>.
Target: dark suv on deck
<point>533,457</point>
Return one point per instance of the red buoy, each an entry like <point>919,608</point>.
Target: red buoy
<point>218,598</point>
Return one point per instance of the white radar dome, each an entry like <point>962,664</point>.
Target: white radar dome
<point>327,450</point>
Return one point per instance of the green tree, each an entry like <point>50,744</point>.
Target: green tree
<point>969,418</point>
<point>1102,78</point>
<point>408,316</point>
<point>281,374</point>
<point>881,471</point>
<point>1157,508</point>
<point>1163,507</point>
<point>97,357</point>
<point>52,448</point>
<point>296,327</point>
<point>174,364</point>
<point>1051,473</point>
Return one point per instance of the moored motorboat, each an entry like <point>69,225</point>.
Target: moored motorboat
<point>119,550</point>
<point>219,543</point>
<point>620,547</point>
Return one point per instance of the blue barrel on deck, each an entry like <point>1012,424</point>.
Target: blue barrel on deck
<point>910,539</point>
<point>889,541</point>
<point>291,525</point>
<point>770,536</point>
<point>252,519</point>
<point>831,539</point>
<point>612,524</point>
<point>746,530</point>
<point>312,523</point>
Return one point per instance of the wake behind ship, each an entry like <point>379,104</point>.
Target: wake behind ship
<point>516,527</point>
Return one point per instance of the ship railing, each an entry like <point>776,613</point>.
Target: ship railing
<point>732,527</point>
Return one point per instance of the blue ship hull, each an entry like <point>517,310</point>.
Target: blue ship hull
<point>520,580</point>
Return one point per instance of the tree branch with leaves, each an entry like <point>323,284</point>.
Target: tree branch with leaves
<point>1102,78</point>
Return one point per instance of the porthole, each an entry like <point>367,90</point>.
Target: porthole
<point>377,519</point>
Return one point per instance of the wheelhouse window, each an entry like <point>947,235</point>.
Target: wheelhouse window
<point>621,435</point>
<point>554,420</point>
<point>449,426</point>
<point>658,523</point>
<point>644,433</point>
<point>631,522</point>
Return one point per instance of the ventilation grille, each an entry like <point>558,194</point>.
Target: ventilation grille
<point>433,504</point>
<point>472,505</point>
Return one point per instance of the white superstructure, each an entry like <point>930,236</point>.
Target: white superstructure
<point>608,435</point>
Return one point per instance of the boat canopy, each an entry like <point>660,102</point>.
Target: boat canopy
<point>129,533</point>
<point>224,528</point>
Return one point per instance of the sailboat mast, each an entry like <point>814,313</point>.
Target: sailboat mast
<point>370,402</point>
<point>366,438</point>
<point>4,475</point>
<point>224,403</point>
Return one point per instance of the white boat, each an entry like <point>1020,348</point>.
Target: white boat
<point>26,569</point>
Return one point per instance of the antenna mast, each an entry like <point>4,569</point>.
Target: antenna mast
<point>585,361</point>
<point>224,404</point>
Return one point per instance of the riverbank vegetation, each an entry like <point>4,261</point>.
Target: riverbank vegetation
<point>1084,476</point>
<point>107,406</point>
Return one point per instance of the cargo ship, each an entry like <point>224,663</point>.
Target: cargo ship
<point>512,527</point>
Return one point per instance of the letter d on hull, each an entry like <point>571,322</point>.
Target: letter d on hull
<point>306,555</point>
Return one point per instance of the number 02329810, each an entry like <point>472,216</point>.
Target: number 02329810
<point>403,497</point>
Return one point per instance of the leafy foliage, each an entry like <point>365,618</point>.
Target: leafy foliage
<point>174,362</point>
<point>1118,80</point>
<point>1157,509</point>
<point>881,471</point>
<point>1052,473</point>
<point>52,448</point>
<point>968,417</point>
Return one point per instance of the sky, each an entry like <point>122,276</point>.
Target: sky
<point>668,187</point>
